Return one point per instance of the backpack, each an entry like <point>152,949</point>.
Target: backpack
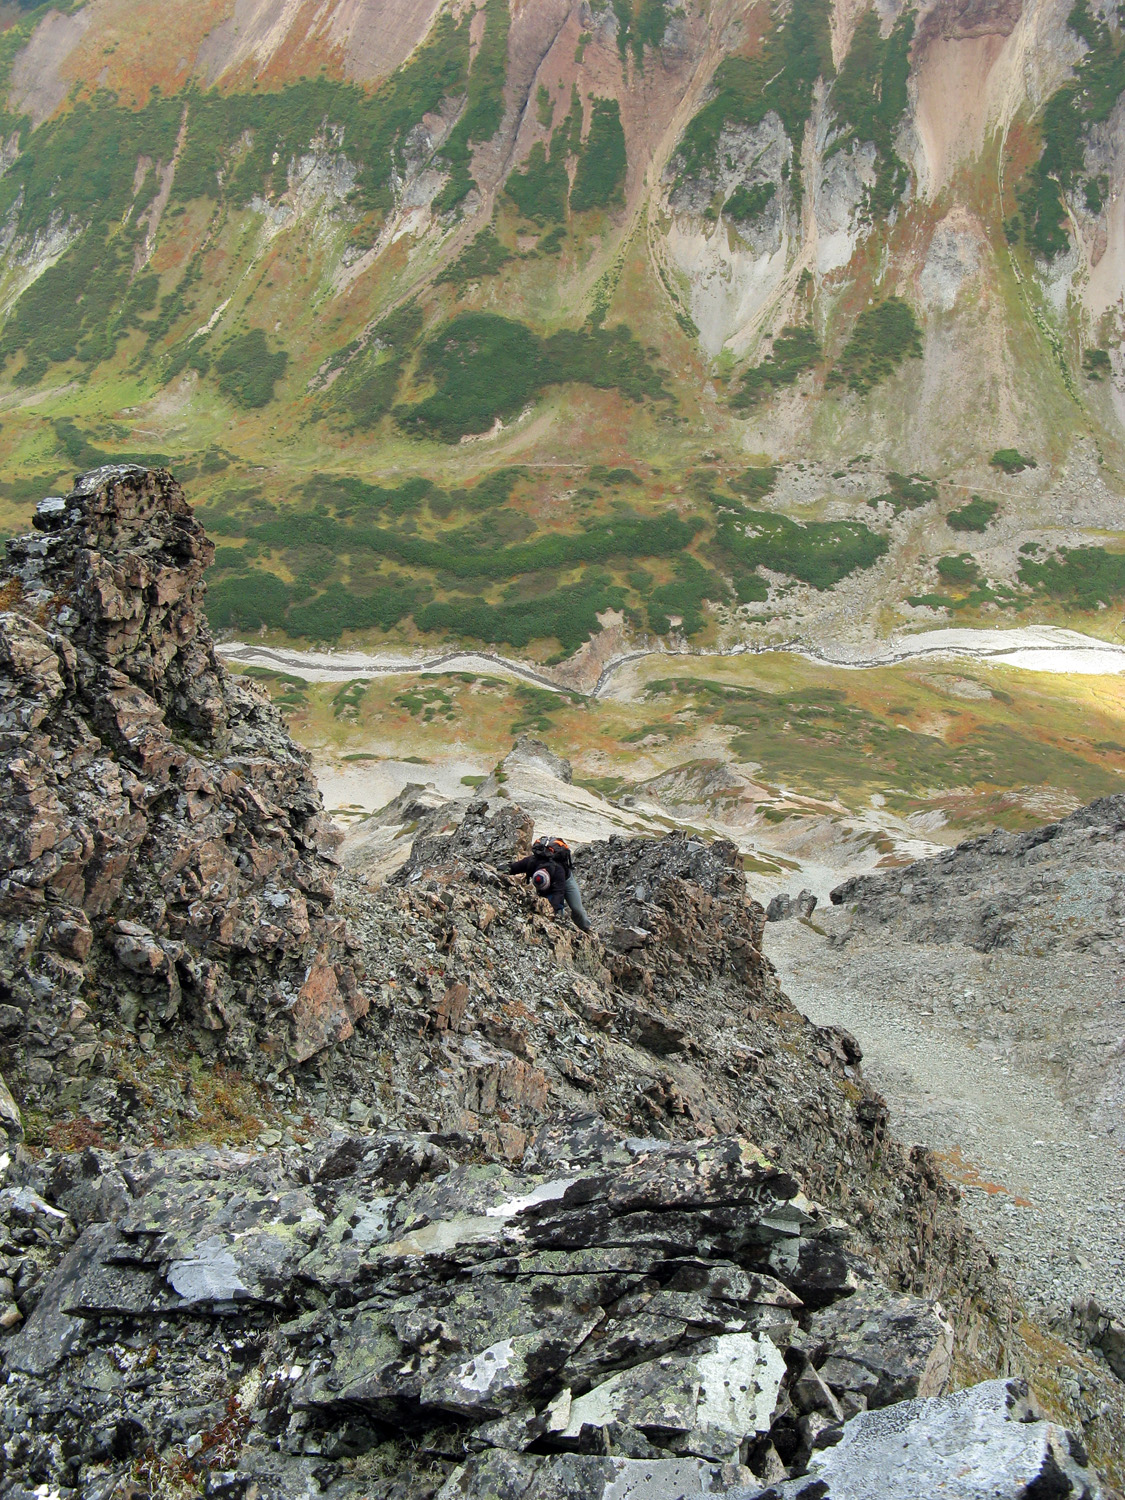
<point>556,849</point>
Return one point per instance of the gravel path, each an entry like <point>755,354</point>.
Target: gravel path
<point>1045,1191</point>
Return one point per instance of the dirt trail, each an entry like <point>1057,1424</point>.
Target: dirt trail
<point>1045,1191</point>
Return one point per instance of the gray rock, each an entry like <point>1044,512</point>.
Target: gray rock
<point>507,1476</point>
<point>11,1126</point>
<point>885,1348</point>
<point>984,1443</point>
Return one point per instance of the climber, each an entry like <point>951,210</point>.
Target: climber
<point>551,871</point>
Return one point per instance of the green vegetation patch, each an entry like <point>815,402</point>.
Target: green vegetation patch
<point>814,737</point>
<point>794,351</point>
<point>365,390</point>
<point>977,515</point>
<point>600,178</point>
<point>484,256</point>
<point>746,203</point>
<point>487,367</point>
<point>796,53</point>
<point>1070,113</point>
<point>962,569</point>
<point>882,338</point>
<point>819,553</point>
<point>1082,577</point>
<point>484,107</point>
<point>907,493</point>
<point>1011,461</point>
<point>1096,364</point>
<point>684,597</point>
<point>540,190</point>
<point>249,370</point>
<point>755,483</point>
<point>870,98</point>
<point>640,25</point>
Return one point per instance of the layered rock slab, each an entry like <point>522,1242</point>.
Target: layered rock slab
<point>614,1297</point>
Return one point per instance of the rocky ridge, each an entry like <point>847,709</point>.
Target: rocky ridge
<point>167,861</point>
<point>513,1238</point>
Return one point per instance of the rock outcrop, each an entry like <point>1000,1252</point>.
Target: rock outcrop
<point>167,862</point>
<point>386,1316</point>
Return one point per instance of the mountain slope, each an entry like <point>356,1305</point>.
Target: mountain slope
<point>350,260</point>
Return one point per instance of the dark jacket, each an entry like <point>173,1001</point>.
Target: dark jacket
<point>554,868</point>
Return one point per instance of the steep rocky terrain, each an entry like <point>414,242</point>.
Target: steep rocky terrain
<point>498,1227</point>
<point>986,984</point>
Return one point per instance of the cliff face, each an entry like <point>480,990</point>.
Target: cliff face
<point>608,1217</point>
<point>167,862</point>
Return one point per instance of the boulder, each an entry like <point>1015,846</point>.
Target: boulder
<point>984,1443</point>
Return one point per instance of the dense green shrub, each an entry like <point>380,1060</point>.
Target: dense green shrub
<point>600,178</point>
<point>570,615</point>
<point>484,107</point>
<point>1069,114</point>
<point>485,366</point>
<point>746,203</point>
<point>755,484</point>
<point>961,570</point>
<point>248,601</point>
<point>248,371</point>
<point>365,390</point>
<point>1082,577</point>
<point>819,553</point>
<point>882,338</point>
<point>640,26</point>
<point>684,596</point>
<point>483,256</point>
<point>907,493</point>
<point>1011,461</point>
<point>1096,364</point>
<point>794,351</point>
<point>977,515</point>
<point>540,190</point>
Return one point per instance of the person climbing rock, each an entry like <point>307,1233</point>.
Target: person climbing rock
<point>550,868</point>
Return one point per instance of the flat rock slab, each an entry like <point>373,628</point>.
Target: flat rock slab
<point>983,1443</point>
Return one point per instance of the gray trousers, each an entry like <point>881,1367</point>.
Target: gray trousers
<point>573,897</point>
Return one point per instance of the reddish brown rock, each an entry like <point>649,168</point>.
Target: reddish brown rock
<point>164,845</point>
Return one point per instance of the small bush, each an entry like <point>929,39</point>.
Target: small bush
<point>795,350</point>
<point>819,553</point>
<point>746,203</point>
<point>907,493</point>
<point>1011,461</point>
<point>960,570</point>
<point>977,515</point>
<point>755,484</point>
<point>1096,364</point>
<point>485,256</point>
<point>540,190</point>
